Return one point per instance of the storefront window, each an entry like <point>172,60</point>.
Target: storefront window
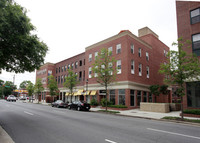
<point>193,94</point>
<point>121,96</point>
<point>112,96</point>
<point>144,96</point>
<point>150,97</point>
<point>132,97</point>
<point>138,98</point>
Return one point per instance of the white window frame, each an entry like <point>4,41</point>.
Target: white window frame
<point>110,66</point>
<point>119,67</point>
<point>110,51</point>
<point>90,72</point>
<point>147,71</point>
<point>140,52</point>
<point>132,67</point>
<point>132,48</point>
<point>140,69</point>
<point>90,57</point>
<point>147,56</point>
<point>118,47</point>
<point>96,55</point>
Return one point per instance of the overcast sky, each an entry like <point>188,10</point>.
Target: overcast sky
<point>68,26</point>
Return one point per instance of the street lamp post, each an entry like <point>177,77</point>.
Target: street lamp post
<point>86,89</point>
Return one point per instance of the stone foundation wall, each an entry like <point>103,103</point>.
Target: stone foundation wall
<point>155,107</point>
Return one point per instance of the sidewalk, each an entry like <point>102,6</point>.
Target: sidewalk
<point>4,137</point>
<point>144,114</point>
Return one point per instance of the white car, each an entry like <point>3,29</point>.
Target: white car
<point>11,98</point>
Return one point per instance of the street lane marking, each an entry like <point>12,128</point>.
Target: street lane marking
<point>28,113</point>
<point>173,133</point>
<point>110,141</point>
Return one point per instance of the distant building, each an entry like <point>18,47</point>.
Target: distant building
<point>188,25</point>
<point>138,60</point>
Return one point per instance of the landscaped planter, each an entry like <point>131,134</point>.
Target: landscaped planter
<point>190,115</point>
<point>155,107</point>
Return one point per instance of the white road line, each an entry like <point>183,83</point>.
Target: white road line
<point>110,141</point>
<point>28,113</point>
<point>173,133</point>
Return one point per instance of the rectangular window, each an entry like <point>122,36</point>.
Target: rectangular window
<point>195,16</point>
<point>62,69</point>
<point>164,53</point>
<point>90,72</point>
<point>65,68</point>
<point>68,66</point>
<point>72,66</point>
<point>193,94</point>
<point>147,72</point>
<point>56,70</point>
<point>144,96</point>
<point>132,48</point>
<point>90,57</point>
<point>150,97</point>
<point>138,98</point>
<point>59,69</point>
<point>147,56</point>
<point>196,44</point>
<point>140,52</point>
<point>121,93</point>
<point>58,79</point>
<point>65,78</point>
<point>62,79</point>
<point>132,97</point>
<point>119,68</point>
<point>110,51</point>
<point>76,65</point>
<point>96,55</point>
<point>95,74</point>
<point>80,63</point>
<point>110,66</point>
<point>140,69</point>
<point>118,49</point>
<point>132,67</point>
<point>112,96</point>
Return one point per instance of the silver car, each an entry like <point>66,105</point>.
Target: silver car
<point>11,98</point>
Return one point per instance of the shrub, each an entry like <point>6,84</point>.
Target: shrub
<point>103,102</point>
<point>118,106</point>
<point>94,102</point>
<point>192,111</point>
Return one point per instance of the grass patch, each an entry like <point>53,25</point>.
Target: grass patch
<point>117,106</point>
<point>112,112</point>
<point>179,119</point>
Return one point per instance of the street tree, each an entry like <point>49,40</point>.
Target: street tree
<point>103,70</point>
<point>24,84</point>
<point>52,86</point>
<point>71,82</point>
<point>8,87</point>
<point>38,87</point>
<point>20,49</point>
<point>1,88</point>
<point>30,89</point>
<point>180,68</point>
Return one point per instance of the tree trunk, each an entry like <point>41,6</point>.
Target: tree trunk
<point>106,98</point>
<point>182,108</point>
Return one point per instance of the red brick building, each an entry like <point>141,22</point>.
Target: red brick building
<point>188,25</point>
<point>139,59</point>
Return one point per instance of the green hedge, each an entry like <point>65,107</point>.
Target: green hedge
<point>117,106</point>
<point>192,111</point>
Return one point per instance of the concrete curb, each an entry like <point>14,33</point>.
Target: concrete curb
<point>4,137</point>
<point>165,120</point>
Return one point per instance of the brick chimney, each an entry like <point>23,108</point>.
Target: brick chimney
<point>145,31</point>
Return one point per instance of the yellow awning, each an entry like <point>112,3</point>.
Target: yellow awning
<point>76,93</point>
<point>87,93</point>
<point>67,94</point>
<point>80,92</point>
<point>93,92</point>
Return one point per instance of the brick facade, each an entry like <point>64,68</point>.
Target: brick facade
<point>147,41</point>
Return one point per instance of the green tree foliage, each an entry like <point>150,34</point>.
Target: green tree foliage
<point>181,68</point>
<point>154,89</point>
<point>38,87</point>
<point>52,86</point>
<point>24,84</point>
<point>71,81</point>
<point>8,87</point>
<point>1,88</point>
<point>20,50</point>
<point>103,69</point>
<point>30,88</point>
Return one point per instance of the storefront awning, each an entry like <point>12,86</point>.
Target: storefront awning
<point>87,93</point>
<point>76,94</point>
<point>80,92</point>
<point>69,94</point>
<point>93,92</point>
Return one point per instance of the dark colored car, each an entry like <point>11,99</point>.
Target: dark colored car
<point>79,105</point>
<point>59,103</point>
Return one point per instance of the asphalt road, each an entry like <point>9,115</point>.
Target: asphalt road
<point>35,123</point>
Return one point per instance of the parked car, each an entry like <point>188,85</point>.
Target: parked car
<point>79,105</point>
<point>11,98</point>
<point>59,103</point>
